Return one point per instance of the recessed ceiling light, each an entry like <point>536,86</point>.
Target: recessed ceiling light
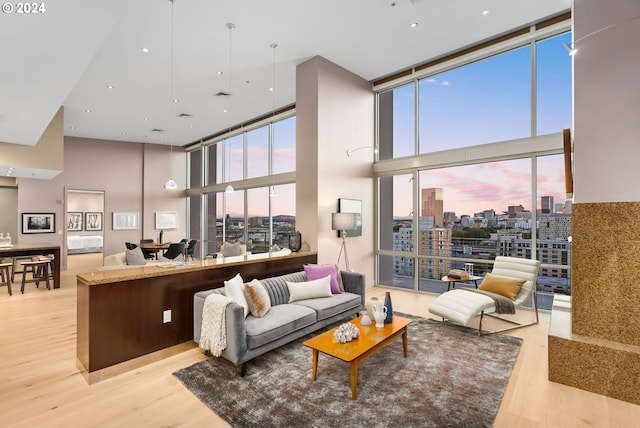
<point>413,25</point>
<point>219,73</point>
<point>146,119</point>
<point>87,110</point>
<point>485,12</point>
<point>110,87</point>
<point>145,50</point>
<point>224,110</point>
<point>72,127</point>
<point>175,100</point>
<point>271,89</point>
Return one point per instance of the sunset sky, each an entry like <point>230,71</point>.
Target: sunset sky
<point>487,101</point>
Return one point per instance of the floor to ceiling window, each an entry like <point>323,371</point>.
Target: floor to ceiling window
<point>248,194</point>
<point>471,166</point>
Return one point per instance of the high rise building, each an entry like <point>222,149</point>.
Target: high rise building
<point>546,202</point>
<point>433,204</point>
<point>436,243</point>
<point>554,226</point>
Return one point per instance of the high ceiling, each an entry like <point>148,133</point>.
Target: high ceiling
<point>74,51</point>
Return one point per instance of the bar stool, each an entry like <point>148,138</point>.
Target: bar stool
<point>50,258</point>
<point>39,272</point>
<point>17,267</point>
<point>4,272</point>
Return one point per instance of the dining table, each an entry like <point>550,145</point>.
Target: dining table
<point>39,249</point>
<point>156,247</point>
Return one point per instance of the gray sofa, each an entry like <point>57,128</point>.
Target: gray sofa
<point>250,337</point>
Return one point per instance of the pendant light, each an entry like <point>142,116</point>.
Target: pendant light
<point>171,184</point>
<point>230,26</point>
<point>273,46</point>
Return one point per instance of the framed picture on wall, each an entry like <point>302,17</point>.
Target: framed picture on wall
<point>352,206</point>
<point>92,221</point>
<point>166,220</point>
<point>38,223</point>
<point>74,221</point>
<point>125,221</point>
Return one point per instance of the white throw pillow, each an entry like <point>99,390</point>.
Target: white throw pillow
<point>309,289</point>
<point>135,257</point>
<point>234,289</point>
<point>231,249</point>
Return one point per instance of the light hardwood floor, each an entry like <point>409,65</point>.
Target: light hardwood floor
<point>40,385</point>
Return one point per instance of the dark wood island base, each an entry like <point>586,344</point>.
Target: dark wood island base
<point>122,314</point>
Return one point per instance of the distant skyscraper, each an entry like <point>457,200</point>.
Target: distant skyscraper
<point>547,204</point>
<point>433,204</point>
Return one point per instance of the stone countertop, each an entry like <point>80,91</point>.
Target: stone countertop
<point>129,273</point>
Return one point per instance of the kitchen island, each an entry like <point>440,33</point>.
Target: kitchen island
<point>136,315</point>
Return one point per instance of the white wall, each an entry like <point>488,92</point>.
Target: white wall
<point>335,111</point>
<point>606,101</point>
<point>132,177</point>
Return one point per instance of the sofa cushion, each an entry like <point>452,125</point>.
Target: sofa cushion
<point>320,271</point>
<point>257,298</point>
<point>135,257</point>
<point>234,289</point>
<point>118,259</point>
<point>231,249</point>
<point>309,289</point>
<point>277,286</point>
<point>278,322</point>
<point>327,307</point>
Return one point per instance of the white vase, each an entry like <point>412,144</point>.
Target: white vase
<point>371,306</point>
<point>379,315</point>
<point>365,319</point>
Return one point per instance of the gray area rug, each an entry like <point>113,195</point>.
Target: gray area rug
<point>451,378</point>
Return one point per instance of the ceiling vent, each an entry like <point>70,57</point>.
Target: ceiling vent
<point>185,115</point>
<point>157,130</point>
<point>222,94</point>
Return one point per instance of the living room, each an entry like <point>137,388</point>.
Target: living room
<point>601,176</point>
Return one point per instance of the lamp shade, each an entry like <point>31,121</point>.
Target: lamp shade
<point>343,221</point>
<point>171,184</point>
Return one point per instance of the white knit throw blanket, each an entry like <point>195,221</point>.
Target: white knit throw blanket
<point>213,336</point>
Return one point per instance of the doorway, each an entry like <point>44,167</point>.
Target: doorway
<point>84,210</point>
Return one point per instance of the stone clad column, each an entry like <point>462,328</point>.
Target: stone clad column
<point>596,346</point>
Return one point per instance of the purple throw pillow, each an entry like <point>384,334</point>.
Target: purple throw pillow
<point>321,271</point>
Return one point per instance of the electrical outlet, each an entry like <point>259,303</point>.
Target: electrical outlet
<point>166,316</point>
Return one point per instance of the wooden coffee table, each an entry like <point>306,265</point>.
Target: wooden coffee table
<point>371,340</point>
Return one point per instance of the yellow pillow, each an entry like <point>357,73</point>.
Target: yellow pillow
<point>507,287</point>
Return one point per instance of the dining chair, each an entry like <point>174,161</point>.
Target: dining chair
<point>148,254</point>
<point>174,250</point>
<point>191,248</point>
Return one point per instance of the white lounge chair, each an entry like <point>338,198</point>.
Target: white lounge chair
<point>462,306</point>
